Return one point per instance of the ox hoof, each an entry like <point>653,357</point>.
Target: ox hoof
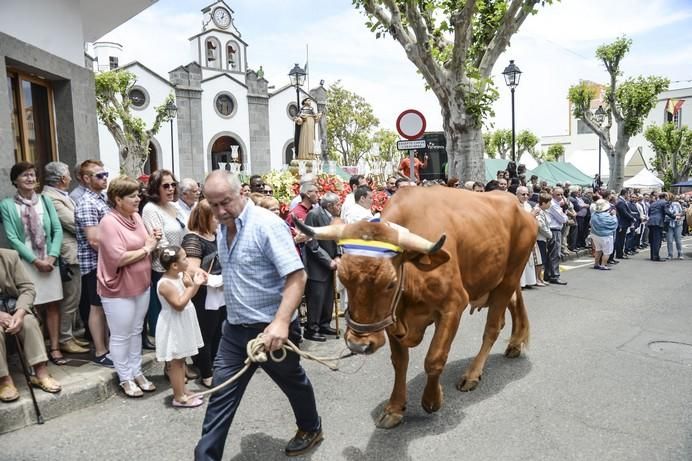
<point>513,352</point>
<point>389,420</point>
<point>467,385</point>
<point>434,403</point>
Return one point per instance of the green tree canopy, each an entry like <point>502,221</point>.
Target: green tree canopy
<point>454,44</point>
<point>625,103</point>
<point>129,131</point>
<point>499,143</point>
<point>673,148</point>
<point>350,125</point>
<point>552,154</point>
<point>526,142</point>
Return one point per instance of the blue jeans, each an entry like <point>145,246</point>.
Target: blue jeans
<point>288,374</point>
<point>674,233</point>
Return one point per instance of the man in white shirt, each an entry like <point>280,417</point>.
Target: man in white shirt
<point>556,218</point>
<point>361,209</point>
<point>189,195</point>
<point>356,181</point>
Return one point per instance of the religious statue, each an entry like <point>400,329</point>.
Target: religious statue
<point>305,130</point>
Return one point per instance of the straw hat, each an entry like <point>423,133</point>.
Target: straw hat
<point>602,205</point>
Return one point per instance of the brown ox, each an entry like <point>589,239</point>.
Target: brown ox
<point>488,242</point>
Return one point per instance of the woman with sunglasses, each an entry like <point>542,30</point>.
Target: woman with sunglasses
<point>161,214</point>
<point>33,229</point>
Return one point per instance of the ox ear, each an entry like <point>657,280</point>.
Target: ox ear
<point>428,262</point>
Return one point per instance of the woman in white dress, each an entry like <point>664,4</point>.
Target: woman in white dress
<point>33,229</point>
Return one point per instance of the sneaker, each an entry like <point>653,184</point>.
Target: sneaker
<point>681,257</point>
<point>103,360</point>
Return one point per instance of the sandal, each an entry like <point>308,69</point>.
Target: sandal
<point>59,361</point>
<point>131,389</point>
<point>46,384</point>
<point>144,384</point>
<point>8,393</point>
<point>188,402</point>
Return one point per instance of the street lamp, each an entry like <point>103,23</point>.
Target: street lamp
<point>512,75</point>
<point>599,116</point>
<point>171,112</point>
<point>297,76</point>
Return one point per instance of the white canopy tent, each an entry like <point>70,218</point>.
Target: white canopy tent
<point>645,179</point>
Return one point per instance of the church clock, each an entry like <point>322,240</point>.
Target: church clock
<point>221,17</point>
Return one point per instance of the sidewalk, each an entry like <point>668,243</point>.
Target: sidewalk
<point>83,384</point>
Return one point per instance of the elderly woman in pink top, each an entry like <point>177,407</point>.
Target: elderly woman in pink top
<point>124,277</point>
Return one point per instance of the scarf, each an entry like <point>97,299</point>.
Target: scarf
<point>33,225</point>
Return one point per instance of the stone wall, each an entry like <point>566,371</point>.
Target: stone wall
<point>76,123</point>
<point>258,108</point>
<point>187,81</point>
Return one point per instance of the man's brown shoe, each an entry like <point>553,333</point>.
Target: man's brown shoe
<point>71,347</point>
<point>303,442</point>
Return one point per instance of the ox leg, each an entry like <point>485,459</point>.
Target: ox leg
<point>393,412</point>
<point>436,358</point>
<point>472,376</point>
<point>520,326</point>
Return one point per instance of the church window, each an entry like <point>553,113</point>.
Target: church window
<point>225,105</point>
<point>138,98</point>
<point>292,110</point>
<point>232,56</point>
<point>213,51</point>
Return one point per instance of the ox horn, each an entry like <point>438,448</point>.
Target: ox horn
<point>412,242</point>
<point>332,232</point>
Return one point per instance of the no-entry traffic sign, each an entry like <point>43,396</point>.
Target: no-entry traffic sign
<point>410,124</point>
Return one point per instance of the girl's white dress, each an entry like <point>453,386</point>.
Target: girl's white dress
<point>177,332</point>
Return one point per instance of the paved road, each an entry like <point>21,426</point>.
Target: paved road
<point>607,377</point>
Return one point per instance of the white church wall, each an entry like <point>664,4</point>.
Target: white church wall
<point>52,25</point>
<point>281,126</point>
<point>238,125</point>
<point>157,91</point>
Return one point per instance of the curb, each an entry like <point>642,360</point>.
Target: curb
<point>82,386</point>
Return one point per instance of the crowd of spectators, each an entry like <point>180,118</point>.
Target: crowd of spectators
<point>89,261</point>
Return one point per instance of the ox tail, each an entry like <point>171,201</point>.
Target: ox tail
<point>520,324</point>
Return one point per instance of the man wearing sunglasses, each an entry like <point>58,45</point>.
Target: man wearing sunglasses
<point>88,213</point>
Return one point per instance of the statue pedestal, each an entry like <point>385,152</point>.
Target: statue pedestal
<point>301,167</point>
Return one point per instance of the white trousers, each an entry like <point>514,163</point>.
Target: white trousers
<point>125,317</point>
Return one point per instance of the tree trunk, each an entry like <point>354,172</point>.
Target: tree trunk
<point>464,145</point>
<point>132,159</point>
<point>617,160</point>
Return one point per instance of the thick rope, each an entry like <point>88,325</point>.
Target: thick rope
<point>257,354</point>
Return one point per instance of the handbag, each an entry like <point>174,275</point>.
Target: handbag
<point>65,270</point>
<point>211,264</point>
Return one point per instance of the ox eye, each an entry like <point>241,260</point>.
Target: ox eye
<point>391,285</point>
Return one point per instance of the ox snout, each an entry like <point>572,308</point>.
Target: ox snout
<point>367,344</point>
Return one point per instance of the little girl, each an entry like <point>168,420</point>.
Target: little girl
<point>177,331</point>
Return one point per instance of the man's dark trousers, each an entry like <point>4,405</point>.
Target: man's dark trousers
<point>655,238</point>
<point>288,374</point>
<point>620,242</point>
<point>554,256</point>
<point>320,301</point>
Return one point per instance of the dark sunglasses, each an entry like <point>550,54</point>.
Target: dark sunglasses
<point>169,185</point>
<point>268,192</point>
<point>101,175</point>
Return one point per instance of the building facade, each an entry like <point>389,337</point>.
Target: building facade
<point>227,117</point>
<point>581,144</point>
<point>47,101</point>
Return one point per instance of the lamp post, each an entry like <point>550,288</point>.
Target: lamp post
<point>171,112</point>
<point>512,75</point>
<point>297,76</point>
<point>599,115</point>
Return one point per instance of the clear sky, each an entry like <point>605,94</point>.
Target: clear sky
<point>554,49</point>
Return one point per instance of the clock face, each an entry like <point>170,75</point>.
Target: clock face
<point>221,17</point>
